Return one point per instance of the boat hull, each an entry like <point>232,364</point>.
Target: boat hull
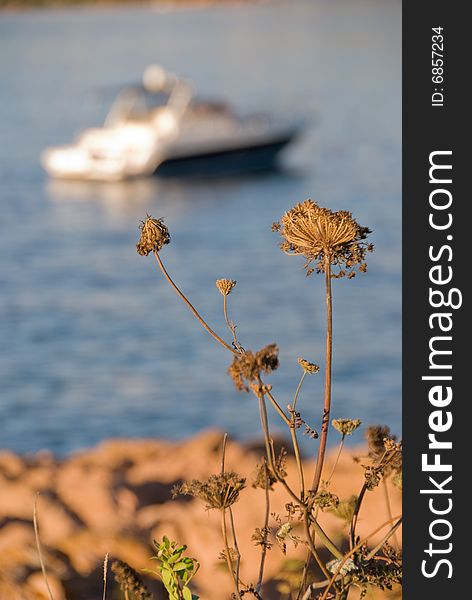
<point>258,157</point>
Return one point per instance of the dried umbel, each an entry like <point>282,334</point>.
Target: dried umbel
<point>346,426</point>
<point>260,537</point>
<point>129,581</point>
<point>225,286</point>
<point>383,574</point>
<point>264,477</point>
<point>248,366</point>
<point>218,491</point>
<point>373,476</point>
<point>325,499</point>
<point>308,367</point>
<point>383,447</point>
<point>154,235</point>
<point>324,236</point>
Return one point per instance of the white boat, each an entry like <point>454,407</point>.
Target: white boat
<point>161,127</point>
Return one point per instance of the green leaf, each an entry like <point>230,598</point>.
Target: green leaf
<point>187,594</point>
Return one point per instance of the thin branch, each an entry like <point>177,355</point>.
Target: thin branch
<point>340,449</point>
<point>223,453</point>
<point>265,427</point>
<point>235,541</point>
<point>275,404</point>
<point>299,387</point>
<point>355,515</point>
<point>353,550</point>
<point>38,546</point>
<point>265,529</point>
<point>298,460</point>
<point>191,307</point>
<point>229,561</point>
<point>306,566</point>
<point>231,326</point>
<point>388,505</point>
<point>392,531</point>
<point>327,390</point>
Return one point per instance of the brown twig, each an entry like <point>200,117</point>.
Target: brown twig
<point>229,561</point>
<point>265,427</point>
<point>327,389</point>
<point>38,546</point>
<point>265,529</point>
<point>200,319</point>
<point>359,545</point>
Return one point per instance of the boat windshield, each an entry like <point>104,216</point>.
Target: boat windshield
<point>136,104</point>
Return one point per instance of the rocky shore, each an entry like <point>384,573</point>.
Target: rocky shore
<point>116,498</point>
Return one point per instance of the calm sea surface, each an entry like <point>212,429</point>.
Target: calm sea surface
<point>93,343</point>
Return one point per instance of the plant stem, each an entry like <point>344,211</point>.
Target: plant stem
<point>229,561</point>
<point>293,434</point>
<point>311,545</point>
<point>389,506</point>
<point>390,533</point>
<point>327,389</point>
<point>191,307</point>
<point>265,530</point>
<point>298,460</point>
<point>275,404</point>
<point>352,533</point>
<point>223,453</point>
<point>359,545</point>
<point>299,387</point>
<point>340,449</point>
<point>38,546</point>
<point>235,541</point>
<point>229,324</point>
<point>265,428</point>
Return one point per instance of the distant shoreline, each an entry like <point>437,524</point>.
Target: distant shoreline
<point>20,5</point>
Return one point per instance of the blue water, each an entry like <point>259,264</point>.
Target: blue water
<point>93,343</point>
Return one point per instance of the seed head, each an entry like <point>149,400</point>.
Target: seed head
<point>322,235</point>
<point>130,581</point>
<point>246,367</point>
<point>346,426</point>
<point>225,286</point>
<point>218,491</point>
<point>308,367</point>
<point>154,235</point>
<point>325,499</point>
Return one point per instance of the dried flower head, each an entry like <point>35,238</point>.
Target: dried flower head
<point>308,367</point>
<point>225,286</point>
<point>378,573</point>
<point>322,235</point>
<point>129,581</point>
<point>218,491</point>
<point>260,537</point>
<point>383,447</point>
<point>264,475</point>
<point>248,366</point>
<point>373,476</point>
<point>346,426</point>
<point>154,235</point>
<point>325,499</point>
